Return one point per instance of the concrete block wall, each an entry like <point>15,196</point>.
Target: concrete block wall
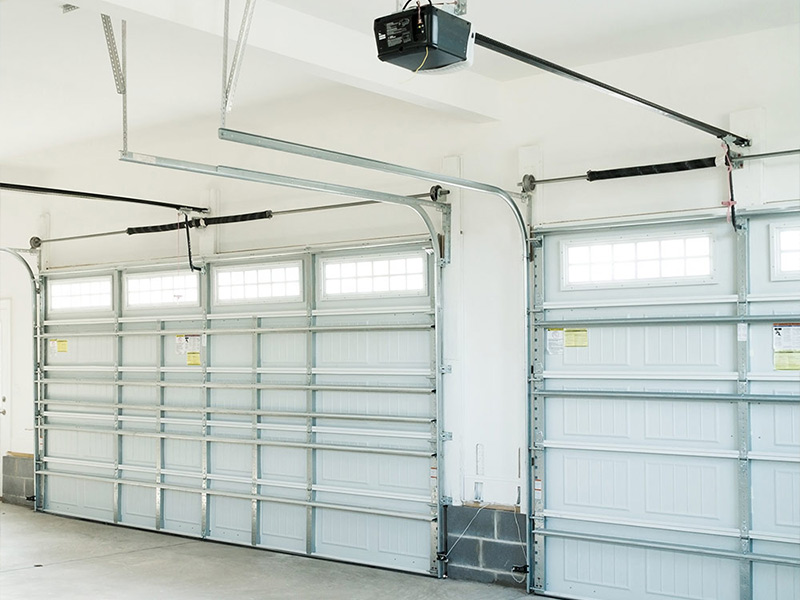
<point>483,544</point>
<point>17,479</point>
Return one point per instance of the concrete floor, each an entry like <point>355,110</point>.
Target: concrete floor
<point>45,556</point>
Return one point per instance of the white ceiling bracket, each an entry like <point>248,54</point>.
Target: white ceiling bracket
<point>229,80</point>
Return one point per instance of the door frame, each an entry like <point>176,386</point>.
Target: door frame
<point>5,380</point>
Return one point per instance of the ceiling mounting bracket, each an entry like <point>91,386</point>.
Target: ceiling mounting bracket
<point>113,55</point>
<point>229,80</point>
<point>457,7</point>
<point>119,68</point>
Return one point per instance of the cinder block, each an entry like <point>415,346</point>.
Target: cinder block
<point>501,556</point>
<point>459,517</point>
<point>17,466</point>
<point>466,552</point>
<point>507,523</point>
<point>13,487</point>
<point>465,573</point>
<point>24,466</point>
<point>9,466</point>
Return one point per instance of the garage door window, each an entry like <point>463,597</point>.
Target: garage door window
<point>375,276</point>
<point>263,282</point>
<point>80,294</point>
<point>162,289</point>
<point>786,253</point>
<point>632,262</point>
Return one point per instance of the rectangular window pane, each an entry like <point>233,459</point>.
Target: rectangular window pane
<point>397,275</point>
<point>161,289</point>
<point>790,261</point>
<point>629,261</point>
<point>80,294</point>
<point>258,283</point>
<point>790,239</point>
<point>788,252</point>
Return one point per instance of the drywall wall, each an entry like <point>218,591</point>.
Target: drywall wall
<point>15,289</point>
<point>749,81</point>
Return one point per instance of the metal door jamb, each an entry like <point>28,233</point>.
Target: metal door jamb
<point>743,479</point>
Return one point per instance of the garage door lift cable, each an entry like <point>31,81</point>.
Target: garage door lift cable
<point>730,202</point>
<point>189,244</point>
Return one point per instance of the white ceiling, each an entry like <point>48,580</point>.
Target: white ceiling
<point>56,84</point>
<point>580,32</point>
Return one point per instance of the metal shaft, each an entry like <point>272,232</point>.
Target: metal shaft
<point>294,211</point>
<point>37,242</point>
<point>736,160</point>
<point>32,189</point>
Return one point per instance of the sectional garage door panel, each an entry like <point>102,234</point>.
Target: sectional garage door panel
<point>666,430</point>
<point>284,404</point>
<point>587,569</point>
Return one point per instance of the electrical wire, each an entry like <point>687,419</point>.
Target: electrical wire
<point>519,536</point>
<point>431,3</point>
<point>458,539</point>
<point>422,64</point>
<point>410,1</point>
<point>524,550</point>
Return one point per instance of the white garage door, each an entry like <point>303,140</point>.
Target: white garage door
<point>666,411</point>
<point>281,402</point>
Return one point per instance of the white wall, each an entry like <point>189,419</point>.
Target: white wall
<point>15,289</point>
<point>749,81</point>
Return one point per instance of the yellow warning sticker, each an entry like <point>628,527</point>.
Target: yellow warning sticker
<point>61,345</point>
<point>786,346</point>
<point>786,360</point>
<point>576,338</point>
<point>193,359</point>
